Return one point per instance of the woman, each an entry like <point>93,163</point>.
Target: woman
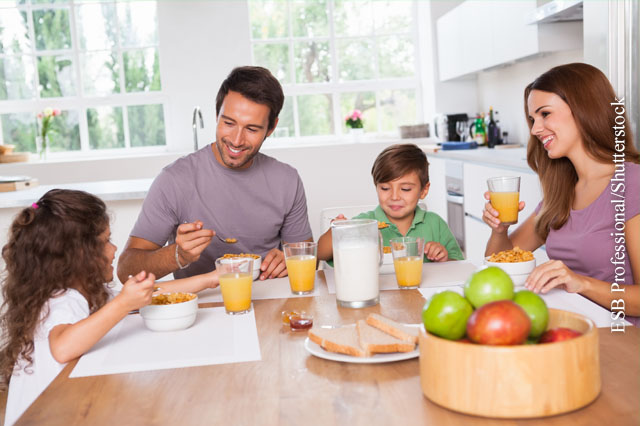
<point>582,149</point>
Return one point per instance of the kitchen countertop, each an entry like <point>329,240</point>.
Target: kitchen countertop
<point>514,158</point>
<point>109,190</point>
<point>133,189</point>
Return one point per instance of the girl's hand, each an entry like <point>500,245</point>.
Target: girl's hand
<point>212,279</point>
<point>490,216</point>
<point>436,252</point>
<point>554,273</point>
<point>137,291</point>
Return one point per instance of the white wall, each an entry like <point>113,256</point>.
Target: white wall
<point>503,89</point>
<point>200,42</point>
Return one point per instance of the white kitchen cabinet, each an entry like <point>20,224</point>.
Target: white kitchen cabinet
<point>476,234</point>
<point>436,199</point>
<point>478,35</point>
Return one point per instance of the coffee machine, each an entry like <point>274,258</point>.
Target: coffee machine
<point>444,126</point>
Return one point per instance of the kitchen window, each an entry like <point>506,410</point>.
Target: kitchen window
<point>96,61</point>
<point>334,56</point>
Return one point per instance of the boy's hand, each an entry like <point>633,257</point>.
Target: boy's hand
<point>339,217</point>
<point>137,291</point>
<point>436,252</point>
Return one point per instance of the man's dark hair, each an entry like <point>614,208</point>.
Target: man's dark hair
<point>256,84</point>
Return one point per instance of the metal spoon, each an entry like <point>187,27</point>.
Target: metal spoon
<point>227,240</point>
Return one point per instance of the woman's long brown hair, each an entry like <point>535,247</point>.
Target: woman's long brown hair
<point>53,246</point>
<point>589,95</point>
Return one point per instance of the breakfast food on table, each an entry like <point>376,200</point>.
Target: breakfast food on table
<point>393,328</point>
<point>386,249</point>
<point>511,256</point>
<point>377,334</point>
<point>230,255</point>
<point>297,320</point>
<point>171,298</point>
<point>342,340</point>
<point>376,341</point>
<point>500,317</point>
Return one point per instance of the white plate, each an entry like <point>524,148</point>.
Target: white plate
<point>316,350</point>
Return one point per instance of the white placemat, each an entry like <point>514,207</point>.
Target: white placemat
<point>215,338</point>
<point>276,288</point>
<point>436,274</point>
<point>557,299</point>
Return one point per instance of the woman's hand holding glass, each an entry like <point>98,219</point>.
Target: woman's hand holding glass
<point>490,215</point>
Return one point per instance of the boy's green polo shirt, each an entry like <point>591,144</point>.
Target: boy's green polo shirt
<point>425,224</point>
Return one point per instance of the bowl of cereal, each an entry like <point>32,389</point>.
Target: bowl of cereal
<point>257,261</point>
<point>170,311</point>
<point>517,263</point>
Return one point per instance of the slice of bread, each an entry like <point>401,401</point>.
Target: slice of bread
<point>393,328</point>
<point>343,340</point>
<point>373,340</point>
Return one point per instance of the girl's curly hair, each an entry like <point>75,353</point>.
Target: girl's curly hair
<point>53,245</point>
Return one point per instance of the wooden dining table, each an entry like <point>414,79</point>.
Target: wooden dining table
<point>289,386</point>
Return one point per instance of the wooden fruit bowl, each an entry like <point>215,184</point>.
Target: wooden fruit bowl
<point>514,381</point>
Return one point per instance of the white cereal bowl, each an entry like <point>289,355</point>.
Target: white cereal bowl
<point>387,264</point>
<point>518,271</point>
<point>176,316</point>
<point>256,267</point>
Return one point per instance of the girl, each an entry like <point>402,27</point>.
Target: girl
<point>56,304</point>
<point>581,155</point>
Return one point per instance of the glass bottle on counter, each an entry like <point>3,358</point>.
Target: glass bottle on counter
<point>492,131</point>
<point>480,133</point>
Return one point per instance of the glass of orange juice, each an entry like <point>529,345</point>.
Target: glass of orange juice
<point>301,266</point>
<point>504,194</point>
<point>408,253</point>
<point>236,277</point>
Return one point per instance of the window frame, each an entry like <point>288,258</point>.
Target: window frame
<point>79,102</point>
<point>335,87</point>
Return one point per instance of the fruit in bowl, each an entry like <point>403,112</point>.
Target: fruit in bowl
<point>517,263</point>
<point>502,322</point>
<point>170,312</point>
<point>536,309</point>
<point>559,334</point>
<point>488,285</point>
<point>445,314</point>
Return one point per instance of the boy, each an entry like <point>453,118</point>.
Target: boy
<point>401,176</point>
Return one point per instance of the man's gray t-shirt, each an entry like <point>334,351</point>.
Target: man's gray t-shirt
<point>260,206</point>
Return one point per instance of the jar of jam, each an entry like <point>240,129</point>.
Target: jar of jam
<point>300,322</point>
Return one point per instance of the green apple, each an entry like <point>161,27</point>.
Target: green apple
<point>445,314</point>
<point>488,285</point>
<point>537,310</point>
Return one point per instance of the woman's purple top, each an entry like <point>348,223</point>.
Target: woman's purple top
<point>588,242</point>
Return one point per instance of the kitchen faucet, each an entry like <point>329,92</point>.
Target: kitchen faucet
<point>196,113</point>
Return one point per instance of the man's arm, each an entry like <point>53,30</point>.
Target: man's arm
<point>140,254</point>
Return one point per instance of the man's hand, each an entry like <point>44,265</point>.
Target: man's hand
<point>273,265</point>
<point>192,239</point>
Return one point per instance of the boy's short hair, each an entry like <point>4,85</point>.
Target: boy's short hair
<point>256,84</point>
<point>396,161</point>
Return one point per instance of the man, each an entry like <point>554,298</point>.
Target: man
<point>227,188</point>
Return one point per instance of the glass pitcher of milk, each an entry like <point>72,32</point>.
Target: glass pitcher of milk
<point>357,255</point>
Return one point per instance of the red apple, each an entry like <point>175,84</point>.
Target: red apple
<point>499,323</point>
<point>558,335</point>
